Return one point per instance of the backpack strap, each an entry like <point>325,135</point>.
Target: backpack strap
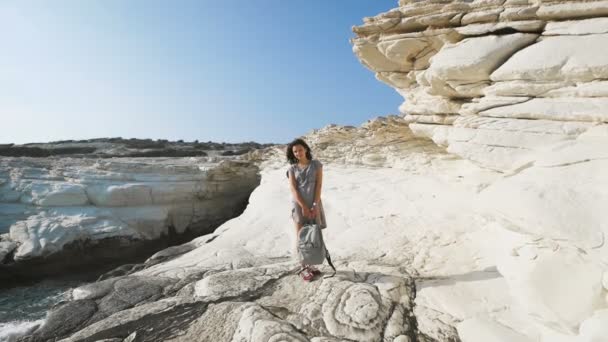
<point>328,258</point>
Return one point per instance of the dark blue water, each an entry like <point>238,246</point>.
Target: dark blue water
<point>24,307</point>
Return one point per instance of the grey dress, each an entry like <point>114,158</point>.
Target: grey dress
<point>306,180</point>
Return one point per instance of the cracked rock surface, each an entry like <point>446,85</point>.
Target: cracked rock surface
<point>365,302</point>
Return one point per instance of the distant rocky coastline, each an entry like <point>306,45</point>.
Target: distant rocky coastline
<point>127,148</point>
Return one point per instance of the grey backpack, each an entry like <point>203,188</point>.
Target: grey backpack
<point>311,247</point>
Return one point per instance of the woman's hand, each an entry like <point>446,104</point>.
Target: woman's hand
<point>314,211</point>
<point>308,213</point>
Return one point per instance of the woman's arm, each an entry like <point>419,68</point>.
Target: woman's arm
<point>318,186</point>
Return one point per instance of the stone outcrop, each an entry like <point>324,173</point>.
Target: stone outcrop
<point>519,87</point>
<point>379,142</point>
<point>246,304</point>
<point>69,211</point>
<point>493,81</point>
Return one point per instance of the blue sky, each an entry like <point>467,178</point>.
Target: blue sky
<point>222,70</point>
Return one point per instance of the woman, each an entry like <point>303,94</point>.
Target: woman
<point>305,181</point>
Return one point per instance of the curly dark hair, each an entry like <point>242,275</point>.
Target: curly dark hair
<point>289,152</point>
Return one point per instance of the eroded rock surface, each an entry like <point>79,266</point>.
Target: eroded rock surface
<point>365,302</point>
<point>86,209</point>
<point>533,68</point>
<point>519,87</point>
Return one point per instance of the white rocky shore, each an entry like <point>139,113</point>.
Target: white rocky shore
<point>75,206</point>
<point>478,215</point>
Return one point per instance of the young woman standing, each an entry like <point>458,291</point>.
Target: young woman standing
<point>305,182</point>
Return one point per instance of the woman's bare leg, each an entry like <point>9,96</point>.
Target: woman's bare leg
<point>298,227</point>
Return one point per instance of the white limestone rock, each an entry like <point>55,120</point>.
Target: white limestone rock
<point>559,109</point>
<point>499,143</point>
<point>539,275</point>
<point>431,119</point>
<point>498,158</point>
<point>62,195</point>
<point>380,142</point>
<point>521,88</point>
<point>418,101</point>
<point>488,102</point>
<point>518,13</point>
<point>560,76</point>
<point>413,50</point>
<point>555,58</point>
<point>570,174</point>
<point>572,9</point>
<point>581,89</point>
<point>595,328</point>
<point>481,16</point>
<point>553,89</point>
<point>527,26</point>
<point>402,80</point>
<point>472,60</point>
<point>48,232</point>
<point>481,329</point>
<point>546,127</point>
<point>576,27</point>
<point>371,57</point>
<point>68,200</point>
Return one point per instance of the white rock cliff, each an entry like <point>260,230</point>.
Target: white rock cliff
<point>518,87</point>
<point>48,204</point>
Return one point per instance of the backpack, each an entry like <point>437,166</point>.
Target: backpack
<point>311,247</point>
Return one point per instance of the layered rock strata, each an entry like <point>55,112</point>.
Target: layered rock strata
<point>493,80</point>
<point>518,87</point>
<point>65,211</point>
<point>381,142</point>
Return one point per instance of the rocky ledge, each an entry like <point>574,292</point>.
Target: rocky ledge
<point>58,214</point>
<point>264,303</point>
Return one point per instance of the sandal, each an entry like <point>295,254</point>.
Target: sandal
<point>314,270</point>
<point>306,274</point>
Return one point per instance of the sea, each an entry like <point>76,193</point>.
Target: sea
<point>23,308</point>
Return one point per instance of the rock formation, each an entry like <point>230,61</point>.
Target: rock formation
<point>64,211</point>
<point>496,80</point>
<point>477,216</point>
<point>392,224</point>
<point>519,87</point>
